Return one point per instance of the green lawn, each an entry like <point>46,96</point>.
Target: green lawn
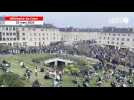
<point>27,59</point>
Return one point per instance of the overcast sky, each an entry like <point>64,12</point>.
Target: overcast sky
<point>82,19</point>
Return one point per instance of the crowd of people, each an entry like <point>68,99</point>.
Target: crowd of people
<point>4,65</point>
<point>110,59</point>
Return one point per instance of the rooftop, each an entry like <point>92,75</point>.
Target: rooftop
<point>33,26</point>
<point>117,30</point>
<point>71,29</point>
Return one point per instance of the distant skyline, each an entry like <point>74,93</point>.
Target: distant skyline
<point>82,19</point>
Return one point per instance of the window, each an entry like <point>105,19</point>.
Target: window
<point>14,38</point>
<point>39,43</point>
<point>14,33</point>
<point>133,39</point>
<point>24,43</point>
<point>3,28</point>
<point>118,34</point>
<point>104,37</point>
<point>128,34</point>
<point>7,34</point>
<point>100,37</point>
<point>10,34</point>
<point>43,38</point>
<point>109,34</point>
<point>4,39</point>
<point>22,29</point>
<point>23,33</point>
<point>122,43</point>
<point>34,34</point>
<point>124,34</point>
<point>9,44</point>
<point>39,34</point>
<point>7,38</point>
<point>10,28</point>
<point>117,39</point>
<point>3,33</point>
<point>108,38</point>
<point>108,42</point>
<point>10,38</point>
<point>113,38</point>
<point>6,28</point>
<point>13,28</point>
<point>23,38</point>
<point>128,39</point>
<point>117,43</point>
<point>112,42</point>
<point>123,39</point>
<point>114,35</point>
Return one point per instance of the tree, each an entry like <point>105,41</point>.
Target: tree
<point>83,62</point>
<point>11,80</point>
<point>66,70</point>
<point>73,69</point>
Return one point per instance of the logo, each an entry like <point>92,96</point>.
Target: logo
<point>126,20</point>
<point>119,20</point>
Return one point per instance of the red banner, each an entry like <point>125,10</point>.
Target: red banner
<point>23,18</point>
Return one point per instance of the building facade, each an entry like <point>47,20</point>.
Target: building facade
<point>22,36</point>
<point>122,40</point>
<point>25,36</point>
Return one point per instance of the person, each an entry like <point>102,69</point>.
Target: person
<point>36,84</point>
<point>4,68</point>
<point>41,69</point>
<point>27,69</point>
<point>123,85</point>
<point>130,82</point>
<point>113,84</point>
<point>7,65</point>
<point>57,80</point>
<point>22,65</point>
<point>29,74</point>
<point>36,72</point>
<point>85,84</point>
<point>55,83</point>
<point>130,71</point>
<point>58,77</point>
<point>78,85</point>
<point>61,75</point>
